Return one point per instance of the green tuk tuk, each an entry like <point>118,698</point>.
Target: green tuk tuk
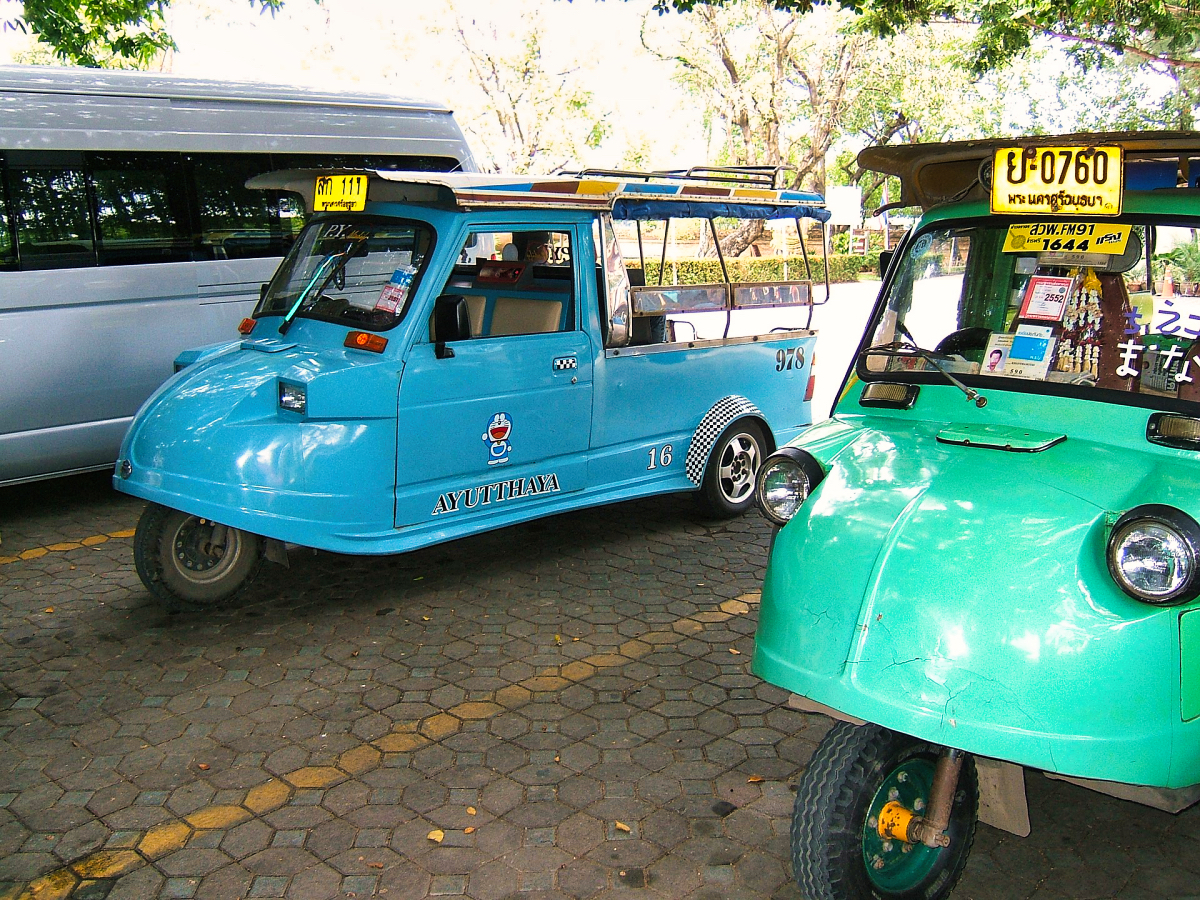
<point>988,558</point>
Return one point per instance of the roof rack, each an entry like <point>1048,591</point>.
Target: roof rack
<point>768,177</point>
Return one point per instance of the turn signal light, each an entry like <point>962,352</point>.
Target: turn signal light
<point>246,326</point>
<point>360,340</point>
<point>1181,432</point>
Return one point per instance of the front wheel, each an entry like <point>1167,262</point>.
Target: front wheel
<point>837,850</point>
<point>191,563</point>
<point>728,486</point>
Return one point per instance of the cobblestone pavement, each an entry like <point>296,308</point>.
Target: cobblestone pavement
<point>564,706</point>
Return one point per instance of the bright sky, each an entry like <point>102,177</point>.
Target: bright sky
<point>408,48</point>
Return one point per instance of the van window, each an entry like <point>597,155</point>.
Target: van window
<point>141,209</point>
<point>516,282</point>
<point>236,222</point>
<point>51,210</point>
<point>8,247</point>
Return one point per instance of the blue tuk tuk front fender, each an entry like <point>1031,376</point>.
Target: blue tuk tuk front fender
<point>960,595</point>
<point>214,442</point>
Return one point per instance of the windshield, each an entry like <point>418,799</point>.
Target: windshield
<point>359,272</point>
<point>1052,301</point>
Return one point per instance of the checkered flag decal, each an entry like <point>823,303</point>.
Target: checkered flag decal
<point>565,362</point>
<point>714,422</point>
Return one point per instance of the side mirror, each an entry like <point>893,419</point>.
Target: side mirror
<point>885,260</point>
<point>451,322</point>
<point>262,292</point>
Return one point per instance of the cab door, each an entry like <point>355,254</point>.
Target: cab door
<point>504,424</point>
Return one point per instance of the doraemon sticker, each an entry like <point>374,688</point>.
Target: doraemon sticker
<point>499,429</point>
<point>922,245</point>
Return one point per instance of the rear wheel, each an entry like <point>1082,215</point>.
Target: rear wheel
<point>728,486</point>
<point>837,850</point>
<point>191,563</point>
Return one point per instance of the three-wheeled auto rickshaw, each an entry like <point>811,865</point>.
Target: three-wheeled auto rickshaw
<point>443,354</point>
<point>988,558</point>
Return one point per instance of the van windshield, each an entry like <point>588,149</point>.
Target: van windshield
<point>1052,301</point>
<point>358,272</point>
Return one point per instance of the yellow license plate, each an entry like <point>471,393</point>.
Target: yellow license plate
<point>1070,180</point>
<point>343,193</point>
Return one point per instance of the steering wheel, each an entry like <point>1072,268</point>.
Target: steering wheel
<point>963,341</point>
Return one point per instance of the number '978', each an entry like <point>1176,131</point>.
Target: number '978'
<point>789,358</point>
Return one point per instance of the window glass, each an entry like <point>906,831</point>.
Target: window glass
<point>8,249</point>
<point>1052,301</point>
<point>516,282</point>
<point>141,208</point>
<point>51,210</point>
<point>360,161</point>
<point>359,272</point>
<point>236,222</point>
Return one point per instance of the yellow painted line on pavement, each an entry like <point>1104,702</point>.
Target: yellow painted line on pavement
<point>62,547</point>
<point>404,737</point>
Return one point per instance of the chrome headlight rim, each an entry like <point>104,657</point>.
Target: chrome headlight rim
<point>805,465</point>
<point>1179,524</point>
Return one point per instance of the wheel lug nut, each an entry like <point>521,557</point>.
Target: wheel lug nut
<point>872,822</point>
<point>902,777</point>
<point>887,846</point>
<point>877,863</point>
<point>918,805</point>
<point>893,794</point>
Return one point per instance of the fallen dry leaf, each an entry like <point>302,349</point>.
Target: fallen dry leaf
<point>735,651</point>
<point>471,810</point>
<point>754,779</point>
<point>202,767</point>
<point>375,865</point>
<point>437,835</point>
<point>48,609</point>
<point>425,618</point>
<point>470,829</point>
<point>621,826</point>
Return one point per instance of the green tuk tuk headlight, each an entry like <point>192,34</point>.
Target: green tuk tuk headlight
<point>785,480</point>
<point>1153,553</point>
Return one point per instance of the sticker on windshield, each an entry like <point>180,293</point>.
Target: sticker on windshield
<point>1067,237</point>
<point>1046,298</point>
<point>395,292</point>
<point>922,245</point>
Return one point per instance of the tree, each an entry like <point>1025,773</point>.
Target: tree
<point>1161,32</point>
<point>98,33</point>
<point>525,116</point>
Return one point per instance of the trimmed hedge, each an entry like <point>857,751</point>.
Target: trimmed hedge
<point>842,267</point>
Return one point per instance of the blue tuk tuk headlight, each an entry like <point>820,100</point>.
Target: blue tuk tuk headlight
<point>1153,554</point>
<point>293,397</point>
<point>785,480</point>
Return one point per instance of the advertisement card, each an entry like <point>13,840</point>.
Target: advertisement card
<point>1031,352</point>
<point>395,292</point>
<point>1046,298</point>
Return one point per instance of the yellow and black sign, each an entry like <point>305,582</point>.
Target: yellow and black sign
<point>344,193</point>
<point>1070,180</point>
<point>1067,237</point>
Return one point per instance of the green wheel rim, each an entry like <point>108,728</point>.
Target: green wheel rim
<point>895,866</point>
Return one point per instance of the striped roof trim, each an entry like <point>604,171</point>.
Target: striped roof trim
<point>592,193</point>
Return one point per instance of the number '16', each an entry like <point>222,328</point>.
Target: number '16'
<point>663,456</point>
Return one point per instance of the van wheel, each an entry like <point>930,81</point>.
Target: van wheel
<point>837,851</point>
<point>728,486</point>
<point>191,563</point>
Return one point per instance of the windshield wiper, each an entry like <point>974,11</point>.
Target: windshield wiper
<point>328,268</point>
<point>910,346</point>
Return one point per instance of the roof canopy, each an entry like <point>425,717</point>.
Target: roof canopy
<point>625,199</point>
<point>938,173</point>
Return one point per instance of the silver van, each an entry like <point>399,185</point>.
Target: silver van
<point>127,233</point>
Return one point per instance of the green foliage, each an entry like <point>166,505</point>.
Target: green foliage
<point>101,33</point>
<point>1164,33</point>
<point>1184,261</point>
<point>842,267</point>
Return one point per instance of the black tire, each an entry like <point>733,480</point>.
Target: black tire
<point>733,464</point>
<point>177,560</point>
<point>830,832</point>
